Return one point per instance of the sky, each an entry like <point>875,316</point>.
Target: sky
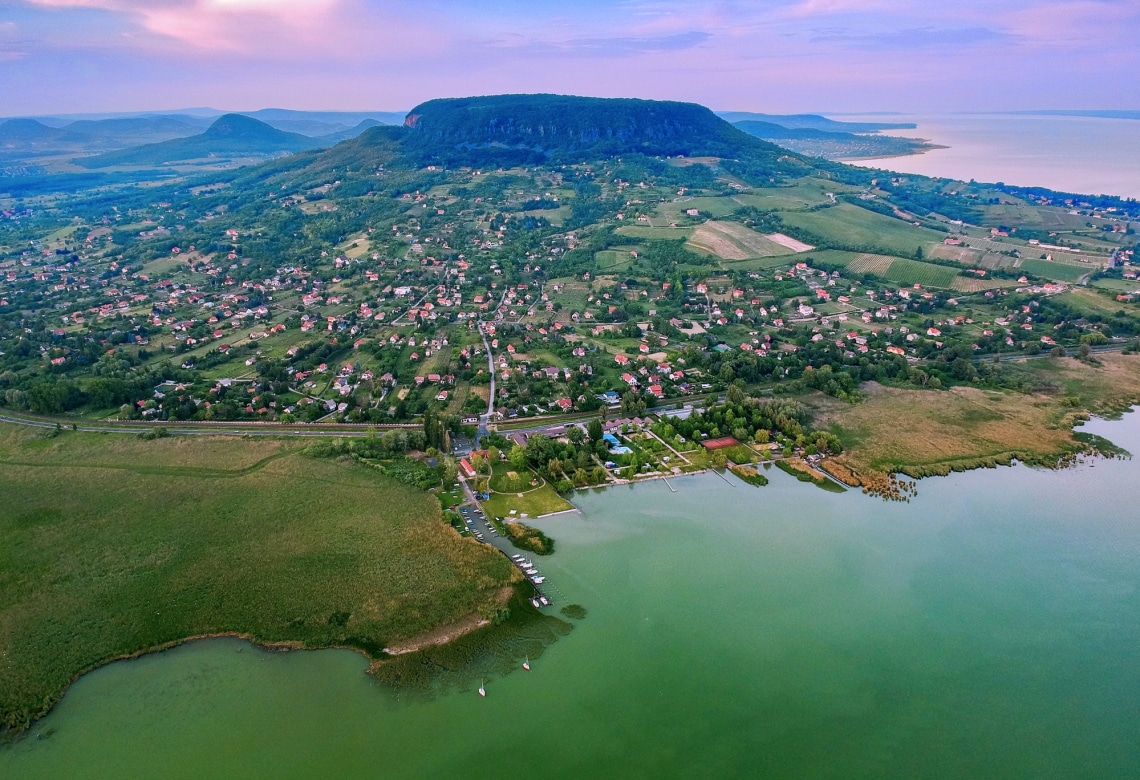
<point>777,56</point>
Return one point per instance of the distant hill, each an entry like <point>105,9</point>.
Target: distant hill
<point>30,132</point>
<point>133,130</point>
<point>281,117</point>
<point>513,129</point>
<point>775,132</point>
<point>351,132</point>
<point>813,122</point>
<point>231,135</point>
<point>831,145</point>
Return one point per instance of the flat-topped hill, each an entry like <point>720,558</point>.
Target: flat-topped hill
<point>564,128</point>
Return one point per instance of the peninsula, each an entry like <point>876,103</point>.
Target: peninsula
<point>252,379</point>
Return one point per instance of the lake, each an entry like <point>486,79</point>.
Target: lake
<point>988,629</point>
<point>1084,155</point>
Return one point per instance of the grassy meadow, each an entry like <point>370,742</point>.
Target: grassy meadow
<point>927,432</point>
<point>111,546</point>
<point>846,224</point>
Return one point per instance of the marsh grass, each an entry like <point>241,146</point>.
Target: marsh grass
<point>112,546</point>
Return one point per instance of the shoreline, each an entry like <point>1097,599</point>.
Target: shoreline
<point>449,633</point>
<point>918,151</point>
<point>435,638</point>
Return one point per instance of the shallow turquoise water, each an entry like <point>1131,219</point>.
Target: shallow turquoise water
<point>990,628</point>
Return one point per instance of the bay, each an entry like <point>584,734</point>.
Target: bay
<point>987,629</point>
<point>1085,155</point>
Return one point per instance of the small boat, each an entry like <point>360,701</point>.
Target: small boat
<point>482,691</point>
<point>538,580</point>
<point>532,572</point>
<point>526,664</point>
<point>545,601</point>
<point>536,604</point>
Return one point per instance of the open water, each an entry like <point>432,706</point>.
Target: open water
<point>988,629</point>
<point>1086,155</point>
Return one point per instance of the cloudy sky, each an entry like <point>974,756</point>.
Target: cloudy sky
<point>60,56</point>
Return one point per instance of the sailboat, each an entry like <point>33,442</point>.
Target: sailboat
<point>526,663</point>
<point>482,691</point>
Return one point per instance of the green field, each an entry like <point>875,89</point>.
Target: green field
<point>532,503</point>
<point>764,263</point>
<point>731,241</point>
<point>654,233</point>
<point>909,272</point>
<point>614,260</point>
<point>848,225</point>
<point>111,545</point>
<point>895,269</point>
<point>1059,271</point>
<point>1117,285</point>
<point>802,194</point>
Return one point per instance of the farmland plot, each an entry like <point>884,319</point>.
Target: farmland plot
<point>730,241</point>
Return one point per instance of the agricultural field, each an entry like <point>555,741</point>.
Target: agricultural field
<point>852,226</point>
<point>1091,301</point>
<point>973,284</point>
<point>674,211</point>
<point>111,546</point>
<point>800,195</point>
<point>894,269</point>
<point>614,260</point>
<point>731,241</point>
<point>1061,272</point>
<point>1117,285</point>
<point>655,233</point>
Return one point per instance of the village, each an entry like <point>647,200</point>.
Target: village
<point>480,284</point>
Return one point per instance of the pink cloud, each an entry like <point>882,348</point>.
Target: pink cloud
<point>273,30</point>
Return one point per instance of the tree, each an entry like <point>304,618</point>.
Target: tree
<point>735,395</point>
<point>594,429</point>
<point>554,468</point>
<point>517,458</point>
<point>1084,351</point>
<point>575,435</point>
<point>493,454</point>
<point>15,399</point>
<point>718,459</point>
<point>450,473</point>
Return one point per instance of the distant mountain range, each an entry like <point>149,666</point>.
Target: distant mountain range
<point>503,129</point>
<point>231,135</point>
<point>57,139</point>
<point>813,122</point>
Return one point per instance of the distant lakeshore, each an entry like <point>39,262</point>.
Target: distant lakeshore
<point>1079,154</point>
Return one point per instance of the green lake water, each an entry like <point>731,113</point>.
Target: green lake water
<point>990,628</point>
